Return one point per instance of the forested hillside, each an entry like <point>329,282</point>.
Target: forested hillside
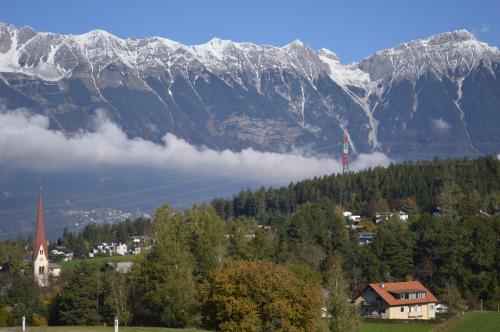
<point>461,187</point>
<point>211,259</point>
<point>451,239</point>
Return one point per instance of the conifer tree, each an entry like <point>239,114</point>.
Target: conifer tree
<point>163,288</point>
<point>78,302</point>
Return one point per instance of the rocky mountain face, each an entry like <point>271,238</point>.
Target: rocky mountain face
<point>438,96</point>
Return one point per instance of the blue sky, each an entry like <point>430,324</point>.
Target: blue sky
<point>352,29</point>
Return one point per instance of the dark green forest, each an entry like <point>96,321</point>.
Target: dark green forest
<point>415,186</point>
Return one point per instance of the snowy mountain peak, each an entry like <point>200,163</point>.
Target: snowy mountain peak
<point>328,54</point>
<point>447,54</point>
<point>454,36</point>
<point>295,43</point>
<point>96,37</point>
<point>98,33</point>
<point>218,41</point>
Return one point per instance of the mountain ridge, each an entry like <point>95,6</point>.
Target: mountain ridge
<point>274,97</point>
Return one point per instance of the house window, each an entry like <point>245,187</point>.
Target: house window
<point>41,251</point>
<point>402,309</point>
<point>41,269</point>
<point>421,295</point>
<point>431,306</point>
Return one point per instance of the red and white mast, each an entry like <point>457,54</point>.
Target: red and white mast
<point>345,153</point>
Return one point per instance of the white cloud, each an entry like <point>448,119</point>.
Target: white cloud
<point>26,142</point>
<point>440,125</point>
<point>484,28</point>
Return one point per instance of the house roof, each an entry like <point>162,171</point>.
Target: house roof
<point>63,249</point>
<point>40,238</point>
<point>391,288</point>
<point>484,214</point>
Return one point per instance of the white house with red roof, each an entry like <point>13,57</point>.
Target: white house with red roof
<point>397,300</point>
<point>40,249</point>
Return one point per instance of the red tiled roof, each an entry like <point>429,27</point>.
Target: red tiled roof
<point>402,287</point>
<point>40,238</point>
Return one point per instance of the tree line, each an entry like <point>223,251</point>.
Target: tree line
<point>415,186</point>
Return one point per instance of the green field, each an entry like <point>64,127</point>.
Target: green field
<point>99,261</point>
<point>476,321</point>
<point>388,327</point>
<point>97,329</point>
<point>470,322</point>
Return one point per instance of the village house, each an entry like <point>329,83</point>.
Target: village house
<point>265,228</point>
<point>105,249</point>
<point>353,219</point>
<point>397,300</point>
<point>139,244</point>
<point>64,253</point>
<point>384,216</point>
<point>54,270</point>
<point>366,238</point>
<point>441,308</point>
<point>484,214</point>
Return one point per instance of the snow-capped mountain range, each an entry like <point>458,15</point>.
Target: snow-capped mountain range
<point>435,96</point>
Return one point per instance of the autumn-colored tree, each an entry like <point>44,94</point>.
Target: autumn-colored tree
<point>259,296</point>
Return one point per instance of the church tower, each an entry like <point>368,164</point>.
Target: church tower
<point>40,249</point>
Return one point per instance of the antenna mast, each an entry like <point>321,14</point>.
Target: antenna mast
<point>345,186</point>
<point>345,153</point>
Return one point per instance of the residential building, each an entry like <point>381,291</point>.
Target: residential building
<point>366,237</point>
<point>484,214</point>
<point>397,300</point>
<point>441,308</point>
<point>384,216</point>
<point>63,252</point>
<point>120,249</point>
<point>140,244</point>
<point>105,249</point>
<point>54,270</point>
<point>353,219</point>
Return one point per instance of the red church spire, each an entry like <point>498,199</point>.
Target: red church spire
<point>40,238</point>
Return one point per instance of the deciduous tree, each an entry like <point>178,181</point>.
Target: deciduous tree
<point>259,296</point>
